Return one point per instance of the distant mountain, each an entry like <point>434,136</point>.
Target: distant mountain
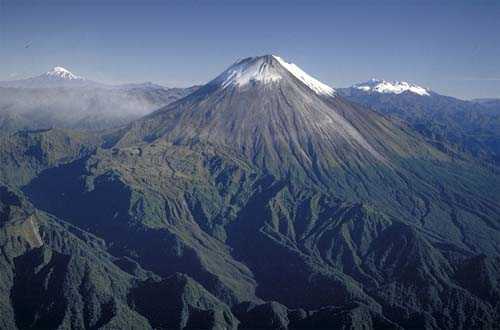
<point>264,199</point>
<point>391,87</point>
<point>446,122</point>
<point>62,99</point>
<point>57,77</point>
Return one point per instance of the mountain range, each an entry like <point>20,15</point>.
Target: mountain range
<point>263,199</point>
<point>471,127</point>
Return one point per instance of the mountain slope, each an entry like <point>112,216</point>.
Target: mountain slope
<point>58,276</point>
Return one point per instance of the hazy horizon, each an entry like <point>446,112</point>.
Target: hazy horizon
<point>449,47</point>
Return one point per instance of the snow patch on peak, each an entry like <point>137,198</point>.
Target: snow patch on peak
<point>60,69</point>
<point>247,70</point>
<point>314,84</point>
<point>268,69</point>
<point>62,73</point>
<point>391,87</point>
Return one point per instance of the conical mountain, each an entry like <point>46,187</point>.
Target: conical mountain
<point>279,117</point>
<point>266,185</point>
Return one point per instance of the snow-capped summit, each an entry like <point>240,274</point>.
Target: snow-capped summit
<point>59,72</point>
<point>268,69</point>
<point>391,87</point>
<point>57,77</point>
<point>242,72</point>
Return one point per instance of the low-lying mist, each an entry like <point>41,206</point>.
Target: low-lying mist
<point>79,108</point>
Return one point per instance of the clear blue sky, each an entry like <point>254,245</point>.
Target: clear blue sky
<point>452,47</point>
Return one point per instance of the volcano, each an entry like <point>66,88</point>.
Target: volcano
<point>284,201</point>
<point>280,118</point>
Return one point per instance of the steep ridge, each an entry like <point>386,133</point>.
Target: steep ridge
<point>60,277</point>
<point>257,178</point>
<point>54,278</point>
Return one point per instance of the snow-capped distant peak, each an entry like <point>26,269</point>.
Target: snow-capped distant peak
<point>309,81</point>
<point>265,69</point>
<point>391,87</point>
<point>62,73</point>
